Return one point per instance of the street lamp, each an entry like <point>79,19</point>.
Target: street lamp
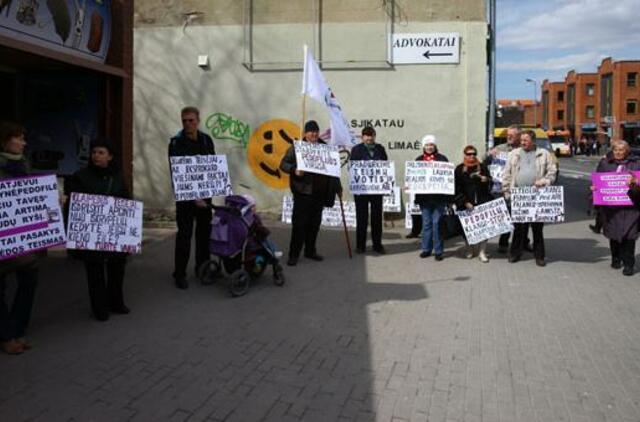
<point>535,101</point>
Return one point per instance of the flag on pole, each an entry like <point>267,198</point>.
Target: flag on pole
<point>315,86</point>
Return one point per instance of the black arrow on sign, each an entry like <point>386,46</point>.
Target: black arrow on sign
<point>428,55</point>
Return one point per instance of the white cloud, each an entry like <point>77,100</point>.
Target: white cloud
<point>580,62</point>
<point>597,25</point>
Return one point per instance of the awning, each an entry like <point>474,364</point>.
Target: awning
<point>589,126</point>
<point>631,125</point>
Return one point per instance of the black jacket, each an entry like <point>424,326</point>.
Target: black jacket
<point>469,187</point>
<point>180,145</point>
<point>96,181</point>
<point>361,153</point>
<point>429,199</point>
<point>320,186</point>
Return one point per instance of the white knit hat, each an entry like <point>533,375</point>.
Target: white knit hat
<point>429,139</point>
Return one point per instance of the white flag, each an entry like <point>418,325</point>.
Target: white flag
<point>314,85</point>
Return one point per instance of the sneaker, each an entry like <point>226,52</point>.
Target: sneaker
<point>627,271</point>
<point>425,254</point>
<point>469,253</point>
<point>482,256</point>
<point>439,257</point>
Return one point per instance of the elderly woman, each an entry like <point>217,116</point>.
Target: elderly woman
<point>620,224</point>
<point>473,187</point>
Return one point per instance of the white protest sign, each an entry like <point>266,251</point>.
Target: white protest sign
<point>429,177</point>
<point>200,177</point>
<point>537,205</point>
<point>331,217</point>
<point>30,216</point>
<point>425,48</point>
<point>485,221</point>
<point>317,158</point>
<point>411,209</point>
<point>104,223</point>
<point>371,177</point>
<point>496,169</point>
<point>391,203</point>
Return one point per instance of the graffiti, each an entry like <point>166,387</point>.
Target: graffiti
<point>345,154</point>
<point>224,127</point>
<point>266,147</point>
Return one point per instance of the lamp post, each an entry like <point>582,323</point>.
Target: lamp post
<point>535,101</point>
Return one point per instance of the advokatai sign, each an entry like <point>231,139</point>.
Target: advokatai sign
<point>433,48</point>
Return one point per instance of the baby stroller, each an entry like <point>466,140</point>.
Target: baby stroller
<point>237,248</point>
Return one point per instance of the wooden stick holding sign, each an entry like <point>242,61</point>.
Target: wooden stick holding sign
<point>344,225</point>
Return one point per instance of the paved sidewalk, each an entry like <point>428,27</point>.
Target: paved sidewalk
<point>391,338</point>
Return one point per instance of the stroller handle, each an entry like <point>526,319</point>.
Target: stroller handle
<point>231,210</point>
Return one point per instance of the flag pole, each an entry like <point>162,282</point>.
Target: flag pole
<point>304,115</point>
<point>344,224</point>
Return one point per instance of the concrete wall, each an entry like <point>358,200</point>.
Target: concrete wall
<point>446,100</point>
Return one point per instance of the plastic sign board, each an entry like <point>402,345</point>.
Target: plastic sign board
<point>433,48</point>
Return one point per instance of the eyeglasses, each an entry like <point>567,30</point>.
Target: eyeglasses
<point>471,153</point>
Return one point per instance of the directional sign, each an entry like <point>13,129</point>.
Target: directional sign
<point>433,48</point>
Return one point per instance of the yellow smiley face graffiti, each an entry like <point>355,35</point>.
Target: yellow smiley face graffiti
<point>267,145</point>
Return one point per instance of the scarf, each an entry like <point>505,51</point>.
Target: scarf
<point>428,157</point>
<point>14,164</point>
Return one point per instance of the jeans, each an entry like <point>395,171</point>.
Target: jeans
<point>15,319</point>
<point>431,240</point>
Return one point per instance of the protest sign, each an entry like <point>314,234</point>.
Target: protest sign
<point>537,205</point>
<point>331,217</point>
<point>411,208</point>
<point>430,177</point>
<point>496,169</point>
<point>200,177</point>
<point>485,221</point>
<point>391,203</point>
<point>611,188</point>
<point>371,177</point>
<point>30,216</point>
<point>104,223</point>
<point>317,158</point>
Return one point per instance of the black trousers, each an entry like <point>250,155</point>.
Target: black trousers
<point>105,280</point>
<point>14,319</point>
<point>416,224</point>
<point>362,220</point>
<point>520,238</point>
<point>624,251</point>
<point>186,213</point>
<point>305,220</point>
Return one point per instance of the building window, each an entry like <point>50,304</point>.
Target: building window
<point>632,107</point>
<point>560,96</point>
<point>631,78</point>
<point>560,114</point>
<point>591,90</point>
<point>590,112</point>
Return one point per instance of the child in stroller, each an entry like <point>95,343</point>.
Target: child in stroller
<point>241,245</point>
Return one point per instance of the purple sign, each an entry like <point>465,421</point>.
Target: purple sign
<point>611,188</point>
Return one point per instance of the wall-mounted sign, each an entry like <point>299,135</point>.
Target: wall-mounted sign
<point>435,48</point>
<point>78,27</point>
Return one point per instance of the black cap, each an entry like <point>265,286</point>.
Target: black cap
<point>311,126</point>
<point>104,143</point>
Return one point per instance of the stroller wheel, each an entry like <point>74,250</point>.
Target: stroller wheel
<point>239,283</point>
<point>278,275</point>
<point>209,271</point>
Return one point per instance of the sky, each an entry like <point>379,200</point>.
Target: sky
<point>545,39</point>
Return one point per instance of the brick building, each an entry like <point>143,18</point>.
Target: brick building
<point>581,104</point>
<point>619,95</point>
<point>553,105</point>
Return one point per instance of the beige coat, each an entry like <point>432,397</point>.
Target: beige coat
<point>546,169</point>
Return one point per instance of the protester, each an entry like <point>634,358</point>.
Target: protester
<point>368,150</point>
<point>473,187</point>
<point>528,166</point>
<point>105,270</point>
<point>513,141</point>
<point>311,193</point>
<point>620,223</point>
<point>14,319</point>
<point>191,141</point>
<point>431,205</point>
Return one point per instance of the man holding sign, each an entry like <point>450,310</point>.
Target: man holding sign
<point>528,166</point>
<point>311,193</point>
<point>368,151</point>
<point>188,142</point>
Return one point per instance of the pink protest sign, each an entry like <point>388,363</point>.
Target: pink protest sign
<point>611,188</point>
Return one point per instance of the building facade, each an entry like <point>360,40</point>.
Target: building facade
<point>582,104</point>
<point>249,94</point>
<point>553,105</point>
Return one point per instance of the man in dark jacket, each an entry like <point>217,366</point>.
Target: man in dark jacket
<point>190,141</point>
<point>311,193</point>
<point>368,150</point>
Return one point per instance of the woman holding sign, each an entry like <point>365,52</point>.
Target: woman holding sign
<point>620,223</point>
<point>105,270</point>
<point>473,187</point>
<point>15,319</point>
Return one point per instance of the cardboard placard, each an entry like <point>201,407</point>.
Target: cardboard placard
<point>104,223</point>
<point>430,177</point>
<point>496,169</point>
<point>317,158</point>
<point>391,203</point>
<point>485,221</point>
<point>30,215</point>
<point>411,209</point>
<point>331,217</point>
<point>372,177</point>
<point>611,188</point>
<point>537,205</point>
<point>200,177</point>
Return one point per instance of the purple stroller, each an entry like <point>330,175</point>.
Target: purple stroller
<point>237,248</point>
